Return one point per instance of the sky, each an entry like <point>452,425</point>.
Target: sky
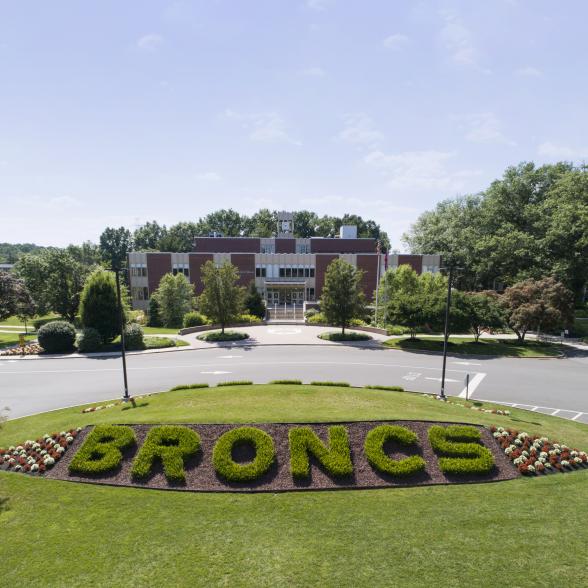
<point>115,113</point>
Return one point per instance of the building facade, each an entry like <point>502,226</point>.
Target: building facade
<point>285,269</point>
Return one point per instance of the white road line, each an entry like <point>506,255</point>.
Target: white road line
<point>439,379</point>
<point>465,363</point>
<point>230,356</point>
<point>555,412</point>
<point>474,383</point>
<point>216,373</point>
<point>577,416</point>
<point>534,408</point>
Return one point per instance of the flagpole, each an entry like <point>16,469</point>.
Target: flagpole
<point>378,251</point>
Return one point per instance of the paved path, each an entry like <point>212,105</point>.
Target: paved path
<point>551,385</point>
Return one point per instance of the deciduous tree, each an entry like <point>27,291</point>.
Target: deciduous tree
<point>175,297</point>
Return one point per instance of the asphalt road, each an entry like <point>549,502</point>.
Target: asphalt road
<point>544,385</point>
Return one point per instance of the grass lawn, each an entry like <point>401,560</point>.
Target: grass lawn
<point>9,339</point>
<point>159,331</point>
<point>15,321</point>
<point>522,532</point>
<point>467,346</point>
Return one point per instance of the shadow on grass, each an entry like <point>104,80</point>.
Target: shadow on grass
<point>134,405</point>
<point>3,504</point>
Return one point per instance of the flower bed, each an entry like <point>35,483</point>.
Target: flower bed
<point>533,455</point>
<point>29,349</point>
<point>39,455</point>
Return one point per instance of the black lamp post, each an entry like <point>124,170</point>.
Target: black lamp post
<point>446,330</point>
<point>121,319</point>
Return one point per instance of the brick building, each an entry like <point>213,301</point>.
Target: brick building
<point>286,270</point>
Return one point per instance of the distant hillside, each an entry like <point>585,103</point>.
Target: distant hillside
<point>10,252</point>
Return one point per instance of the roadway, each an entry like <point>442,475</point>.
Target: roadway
<point>544,385</point>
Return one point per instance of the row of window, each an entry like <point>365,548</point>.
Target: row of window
<point>138,269</point>
<point>140,293</point>
<point>181,268</point>
<point>281,271</point>
<point>271,248</point>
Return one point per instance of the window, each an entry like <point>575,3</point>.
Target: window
<point>311,271</point>
<point>260,271</point>
<point>282,272</point>
<point>145,293</point>
<point>310,293</point>
<point>268,247</point>
<point>288,272</point>
<point>138,269</point>
<point>302,248</point>
<point>180,268</point>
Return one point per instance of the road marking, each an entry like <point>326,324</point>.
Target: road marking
<point>411,376</point>
<point>216,373</point>
<point>577,416</point>
<point>555,412</point>
<point>474,383</point>
<point>230,356</point>
<point>534,408</point>
<point>439,379</point>
<point>465,363</point>
<point>285,331</point>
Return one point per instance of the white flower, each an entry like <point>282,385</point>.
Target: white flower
<point>565,463</point>
<point>34,467</point>
<point>531,468</point>
<point>577,460</point>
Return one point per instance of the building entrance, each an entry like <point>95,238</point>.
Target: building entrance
<point>282,295</point>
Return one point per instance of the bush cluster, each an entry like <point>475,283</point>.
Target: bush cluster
<point>252,319</point>
<point>390,388</point>
<point>189,386</point>
<point>236,383</point>
<point>296,382</point>
<point>229,469</point>
<point>336,458</point>
<point>57,337</point>
<point>134,337</point>
<point>89,340</point>
<point>374,451</point>
<point>194,319</point>
<point>101,451</point>
<point>226,336</point>
<point>327,383</point>
<point>460,450</point>
<point>311,312</point>
<point>172,446</point>
<point>344,336</point>
<point>317,318</point>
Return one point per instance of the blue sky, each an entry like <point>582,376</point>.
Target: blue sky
<point>120,112</point>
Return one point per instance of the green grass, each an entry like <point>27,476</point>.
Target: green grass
<point>159,331</point>
<point>9,339</point>
<point>163,342</point>
<point>15,321</point>
<point>467,346</point>
<point>444,535</point>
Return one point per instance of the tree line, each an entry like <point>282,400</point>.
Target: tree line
<point>531,223</point>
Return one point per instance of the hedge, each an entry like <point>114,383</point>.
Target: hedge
<point>296,382</point>
<point>349,336</point>
<point>134,337</point>
<point>189,386</point>
<point>89,340</point>
<point>374,451</point>
<point>226,336</point>
<point>460,450</point>
<point>101,451</point>
<point>57,337</point>
<point>194,319</point>
<point>336,458</point>
<point>236,383</point>
<point>390,388</point>
<point>229,469</point>
<point>171,445</point>
<point>344,384</point>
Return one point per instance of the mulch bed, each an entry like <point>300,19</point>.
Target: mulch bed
<point>201,476</point>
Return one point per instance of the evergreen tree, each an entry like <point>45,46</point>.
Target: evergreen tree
<point>254,301</point>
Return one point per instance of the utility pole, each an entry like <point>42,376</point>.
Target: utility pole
<point>121,319</point>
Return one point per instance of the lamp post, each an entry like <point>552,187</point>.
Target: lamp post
<point>446,329</point>
<point>121,320</point>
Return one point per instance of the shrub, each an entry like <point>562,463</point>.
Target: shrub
<point>374,451</point>
<point>317,319</point>
<point>311,312</point>
<point>396,330</point>
<point>89,340</point>
<point>154,318</point>
<point>229,469</point>
<point>162,343</point>
<point>99,305</point>
<point>134,337</point>
<point>296,382</point>
<point>57,337</point>
<point>194,319</point>
<point>38,323</point>
<point>460,449</point>
<point>390,388</point>
<point>249,318</point>
<point>171,445</point>
<point>136,316</point>
<point>343,384</point>
<point>344,337</point>
<point>216,336</point>
<point>253,301</point>
<point>188,386</point>
<point>236,383</point>
<point>336,459</point>
<point>101,451</point>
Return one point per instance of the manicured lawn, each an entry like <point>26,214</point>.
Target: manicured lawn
<point>9,339</point>
<point>162,342</point>
<point>522,532</point>
<point>159,331</point>
<point>467,346</point>
<point>15,321</point>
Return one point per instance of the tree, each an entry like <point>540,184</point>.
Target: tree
<point>179,237</point>
<point>25,306</point>
<point>87,253</point>
<point>537,304</point>
<point>305,223</point>
<point>342,298</point>
<point>254,301</point>
<point>115,244</point>
<point>148,236</point>
<point>482,310</point>
<point>13,295</point>
<point>99,305</point>
<point>54,279</point>
<point>262,224</point>
<point>175,297</point>
<point>222,299</point>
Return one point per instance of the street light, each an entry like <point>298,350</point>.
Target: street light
<point>446,330</point>
<point>121,320</point>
